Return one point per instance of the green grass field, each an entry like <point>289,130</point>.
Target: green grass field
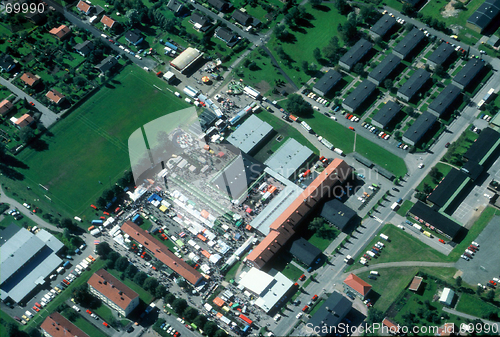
<point>88,327</point>
<point>323,242</point>
<point>475,306</point>
<point>317,35</point>
<point>381,156</point>
<point>292,272</point>
<point>444,169</point>
<point>335,133</point>
<point>90,145</point>
<point>402,247</point>
<point>104,312</point>
<point>405,207</point>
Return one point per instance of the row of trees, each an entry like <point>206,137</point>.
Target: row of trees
<point>107,195</point>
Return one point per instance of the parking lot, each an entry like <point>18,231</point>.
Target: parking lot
<point>485,264</point>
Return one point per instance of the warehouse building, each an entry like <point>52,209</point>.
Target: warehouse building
<point>338,214</point>
<point>358,96</point>
<point>384,69</point>
<point>441,55</point>
<point>406,46</point>
<point>355,54</point>
<point>419,128</point>
<point>113,292</point>
<point>304,251</point>
<point>382,26</point>
<point>327,82</point>
<point>334,176</point>
<point>448,188</point>
<point>55,325</point>
<point>289,158</point>
<point>413,85</point>
<point>468,73</point>
<point>480,151</point>
<point>186,59</point>
<point>27,260</point>
<point>251,135</point>
<point>443,224</point>
<point>386,114</point>
<point>333,310</point>
<point>444,101</point>
<point>484,16</point>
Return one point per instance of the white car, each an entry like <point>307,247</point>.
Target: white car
<point>121,47</point>
<point>76,308</point>
<point>316,108</point>
<point>26,205</point>
<point>104,36</point>
<point>169,330</point>
<point>421,165</point>
<point>299,315</point>
<point>387,137</point>
<point>474,243</point>
<point>405,147</point>
<point>277,317</point>
<point>464,257</point>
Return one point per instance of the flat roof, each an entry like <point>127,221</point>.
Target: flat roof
<point>421,125</point>
<point>112,288</point>
<point>441,54</point>
<point>186,58</point>
<point>290,156</point>
<point>279,286</point>
<point>469,71</point>
<point>387,113</point>
<point>331,313</point>
<point>409,42</point>
<point>485,14</point>
<point>382,26</point>
<point>328,81</point>
<point>255,280</point>
<point>337,213</point>
<point>447,187</point>
<point>250,134</point>
<point>436,219</point>
<point>414,83</point>
<point>385,68</point>
<point>304,251</point>
<point>482,146</point>
<point>445,99</point>
<point>356,52</point>
<point>360,94</point>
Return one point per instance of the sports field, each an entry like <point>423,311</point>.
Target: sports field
<point>88,151</point>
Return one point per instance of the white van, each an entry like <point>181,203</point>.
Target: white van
<point>177,94</point>
<point>187,100</point>
<point>139,57</point>
<point>373,272</point>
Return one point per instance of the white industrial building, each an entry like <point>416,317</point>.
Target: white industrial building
<point>447,296</point>
<point>289,158</point>
<point>250,136</point>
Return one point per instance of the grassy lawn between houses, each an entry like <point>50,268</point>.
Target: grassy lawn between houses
<point>443,168</point>
<point>292,272</point>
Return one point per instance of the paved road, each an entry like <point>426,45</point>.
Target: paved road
<point>402,264</point>
<point>48,116</point>
<point>27,213</point>
<point>145,62</point>
<point>461,314</point>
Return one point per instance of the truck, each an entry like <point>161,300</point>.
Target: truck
<point>325,143</point>
<point>60,270</point>
<point>348,259</point>
<point>417,227</point>
<point>66,264</point>
<point>385,237</point>
<point>97,222</point>
<point>339,151</point>
<point>369,252</point>
<point>395,206</point>
<point>294,118</point>
<point>306,126</point>
<point>426,233</point>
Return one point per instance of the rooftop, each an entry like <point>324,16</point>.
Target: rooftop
<point>331,312</point>
<point>107,21</point>
<point>421,125</point>
<point>441,54</point>
<point>56,325</point>
<point>409,42</point>
<point>133,36</point>
<point>112,288</point>
<point>356,283</point>
<point>186,58</point>
<point>356,52</point>
<point>485,14</point>
<point>290,156</point>
<point>447,187</point>
<point>249,135</point>
<point>336,213</point>
<point>436,219</point>
<point>441,103</point>
<point>360,94</point>
<point>414,83</point>
<point>328,81</point>
<point>55,96</point>
<point>304,251</point>
<point>387,113</point>
<point>469,71</point>
<point>482,146</point>
<point>382,26</point>
<point>415,283</point>
<point>60,32</point>
<point>385,68</point>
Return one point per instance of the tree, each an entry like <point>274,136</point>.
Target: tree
<point>103,249</point>
<point>140,277</point>
<point>348,32</point>
<point>297,105</point>
<point>169,298</point>
<point>458,281</point>
<point>69,224</point>
<point>190,313</point>
<point>316,3</point>
<point>160,291</point>
<point>479,290</point>
<point>375,316</point>
<point>131,271</point>
<point>200,320</point>
<point>316,224</point>
<point>210,328</point>
<point>82,295</point>
<point>305,66</point>
<point>333,52</point>
<point>72,315</point>
<point>26,134</point>
<point>317,53</point>
<point>368,14</point>
<point>150,284</point>
<point>409,111</point>
<point>408,9</point>
<point>490,295</point>
<point>179,305</point>
<point>388,84</point>
<point>439,71</point>
<point>220,333</point>
<point>359,68</point>
<point>342,6</point>
<point>121,263</point>
<point>281,33</point>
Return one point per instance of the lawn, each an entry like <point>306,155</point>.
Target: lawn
<point>405,207</point>
<point>381,156</point>
<point>323,242</point>
<point>460,146</point>
<point>339,136</point>
<point>143,294</point>
<point>104,312</point>
<point>402,247</point>
<point>90,145</point>
<point>442,168</point>
<point>473,305</point>
<point>318,32</point>
<point>88,327</point>
<point>231,273</point>
<point>292,272</point>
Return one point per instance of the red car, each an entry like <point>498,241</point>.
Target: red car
<point>105,324</point>
<point>177,334</point>
<point>441,240</point>
<point>493,282</point>
<point>314,298</point>
<point>36,309</point>
<point>305,308</point>
<point>351,128</point>
<point>447,145</point>
<point>89,312</point>
<point>473,248</point>
<point>38,304</point>
<point>105,213</point>
<point>302,277</point>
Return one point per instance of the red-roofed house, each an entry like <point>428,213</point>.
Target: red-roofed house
<point>357,285</point>
<point>24,120</point>
<point>84,7</point>
<point>5,107</point>
<point>55,96</point>
<point>29,79</point>
<point>107,21</point>
<point>391,326</point>
<point>113,292</point>
<point>60,32</point>
<point>55,325</point>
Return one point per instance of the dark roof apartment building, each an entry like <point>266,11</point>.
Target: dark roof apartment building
<point>244,19</point>
<point>327,82</point>
<point>200,22</point>
<point>468,73</point>
<point>358,96</point>
<point>330,314</point>
<point>444,100</point>
<point>419,128</point>
<point>220,5</point>
<point>304,251</point>
<point>484,15</point>
<point>408,43</point>
<point>355,54</point>
<point>106,64</point>
<point>382,26</point>
<point>384,69</point>
<point>227,36</point>
<point>134,37</point>
<point>450,185</point>
<point>442,223</point>
<point>337,214</point>
<point>413,85</point>
<point>440,55</point>
<point>385,115</point>
<point>479,151</point>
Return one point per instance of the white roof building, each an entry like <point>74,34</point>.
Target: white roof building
<point>447,296</point>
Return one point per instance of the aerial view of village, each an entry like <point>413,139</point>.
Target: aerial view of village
<point>249,168</point>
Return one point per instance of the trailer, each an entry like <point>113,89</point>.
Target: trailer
<point>418,227</point>
<point>385,237</point>
<point>97,222</point>
<point>326,143</point>
<point>306,126</point>
<point>338,151</point>
<point>251,92</point>
<point>294,118</point>
<point>190,91</point>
